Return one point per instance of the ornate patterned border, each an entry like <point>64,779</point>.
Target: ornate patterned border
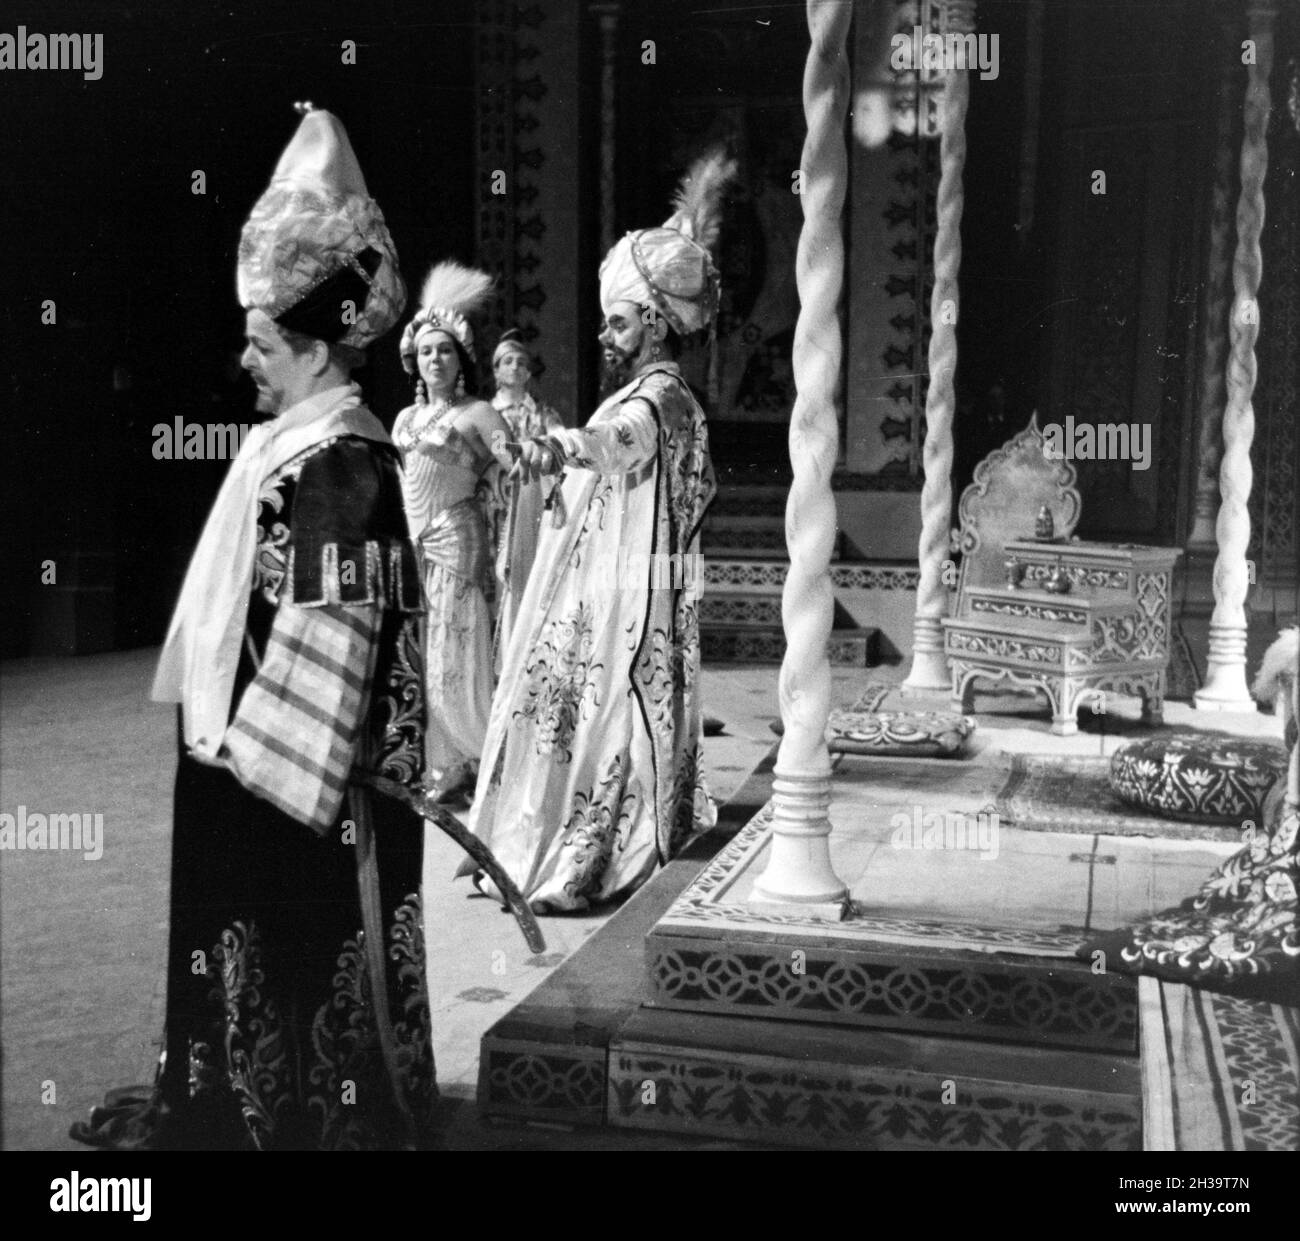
<point>848,649</point>
<point>539,1081</point>
<point>495,66</point>
<point>818,1104</point>
<point>985,998</point>
<point>770,574</point>
<point>510,226</point>
<point>1254,1035</point>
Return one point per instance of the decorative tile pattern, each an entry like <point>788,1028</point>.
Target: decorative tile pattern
<point>747,1097</point>
<point>564,1084</point>
<point>1265,1085</point>
<point>741,610</point>
<point>771,574</point>
<point>987,998</point>
<point>852,649</point>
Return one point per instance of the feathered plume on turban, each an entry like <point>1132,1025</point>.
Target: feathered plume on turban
<point>452,292</point>
<point>670,267</point>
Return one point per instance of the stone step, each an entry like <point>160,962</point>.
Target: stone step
<point>544,1061</point>
<point>735,644</point>
<point>919,988</point>
<point>581,1050</point>
<point>741,520</point>
<point>751,540</point>
<point>780,1084</point>
<point>741,610</point>
<point>749,576</point>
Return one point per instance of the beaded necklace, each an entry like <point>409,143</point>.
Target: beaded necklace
<point>413,435</point>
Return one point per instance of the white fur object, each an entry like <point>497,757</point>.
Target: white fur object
<point>1279,673</point>
<point>1278,680</point>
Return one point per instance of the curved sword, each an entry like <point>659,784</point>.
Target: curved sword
<point>427,808</point>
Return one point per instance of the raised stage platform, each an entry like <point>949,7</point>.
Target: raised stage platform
<point>946,1011</point>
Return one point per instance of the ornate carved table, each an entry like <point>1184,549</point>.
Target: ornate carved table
<point>1109,631</point>
<point>1073,619</point>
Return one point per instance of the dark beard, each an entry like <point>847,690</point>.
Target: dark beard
<point>615,370</point>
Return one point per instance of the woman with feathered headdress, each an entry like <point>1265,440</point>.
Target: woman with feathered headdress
<point>447,440</point>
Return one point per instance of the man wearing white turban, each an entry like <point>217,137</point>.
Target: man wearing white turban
<point>591,774</point>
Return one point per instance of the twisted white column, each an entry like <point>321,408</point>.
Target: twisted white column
<point>929,668</point>
<point>1214,340</point>
<point>799,868</point>
<point>1225,680</point>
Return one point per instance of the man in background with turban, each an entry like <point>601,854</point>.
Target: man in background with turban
<point>297,1012</point>
<point>591,775</point>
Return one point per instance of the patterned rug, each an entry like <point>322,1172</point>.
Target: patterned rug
<point>873,694</point>
<point>1183,678</point>
<point>1052,793</point>
<point>1218,1073</point>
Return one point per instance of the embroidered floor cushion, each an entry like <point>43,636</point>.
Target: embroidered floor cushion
<point>898,732</point>
<point>1205,778</point>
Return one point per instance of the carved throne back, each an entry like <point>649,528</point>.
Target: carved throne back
<point>1010,486</point>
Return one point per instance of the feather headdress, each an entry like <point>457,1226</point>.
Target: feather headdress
<point>698,202</point>
<point>452,292</point>
<point>670,267</point>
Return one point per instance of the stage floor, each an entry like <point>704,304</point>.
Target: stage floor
<point>82,942</point>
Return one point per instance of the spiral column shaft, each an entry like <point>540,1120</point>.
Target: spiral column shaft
<point>799,871</point>
<point>1225,680</point>
<point>929,667</point>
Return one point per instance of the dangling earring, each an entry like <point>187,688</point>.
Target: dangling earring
<point>421,393</point>
<point>460,383</point>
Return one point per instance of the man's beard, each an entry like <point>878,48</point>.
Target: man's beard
<point>617,367</point>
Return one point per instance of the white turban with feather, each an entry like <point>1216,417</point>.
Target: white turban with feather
<point>670,268</point>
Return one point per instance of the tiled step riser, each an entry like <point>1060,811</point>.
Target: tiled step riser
<point>787,1101</point>
<point>552,1084</point>
<point>1024,1004</point>
<point>773,520</point>
<point>755,611</point>
<point>651,1085</point>
<point>746,576</point>
<point>753,539</point>
<point>758,647</point>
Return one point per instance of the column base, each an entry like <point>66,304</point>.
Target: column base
<point>1204,700</point>
<point>798,874</point>
<point>1225,673</point>
<point>828,911</point>
<point>929,672</point>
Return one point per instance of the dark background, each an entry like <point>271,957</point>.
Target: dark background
<point>99,217</point>
<point>98,214</point>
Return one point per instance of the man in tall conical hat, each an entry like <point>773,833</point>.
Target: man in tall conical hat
<point>295,963</point>
<point>591,775</point>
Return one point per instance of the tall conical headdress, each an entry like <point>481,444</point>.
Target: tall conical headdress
<point>315,253</point>
<point>452,292</point>
<point>671,267</point>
